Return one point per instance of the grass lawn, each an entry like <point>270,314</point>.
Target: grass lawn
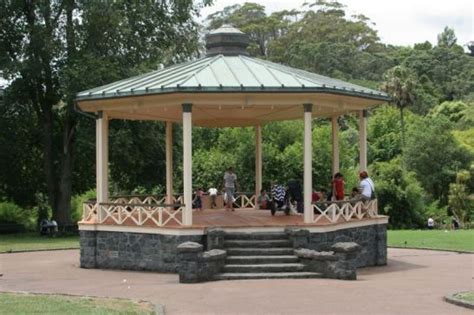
<point>23,303</point>
<point>465,296</point>
<point>33,241</point>
<point>462,240</point>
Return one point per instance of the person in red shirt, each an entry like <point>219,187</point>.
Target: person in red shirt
<point>338,186</point>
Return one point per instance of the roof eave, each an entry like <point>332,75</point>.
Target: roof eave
<point>158,91</point>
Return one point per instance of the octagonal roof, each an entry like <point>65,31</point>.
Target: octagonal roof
<point>230,79</point>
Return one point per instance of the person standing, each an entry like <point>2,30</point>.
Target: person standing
<point>338,186</point>
<point>230,184</point>
<point>367,187</point>
<point>198,199</point>
<point>430,223</point>
<point>212,195</point>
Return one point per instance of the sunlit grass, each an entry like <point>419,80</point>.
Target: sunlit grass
<point>462,240</point>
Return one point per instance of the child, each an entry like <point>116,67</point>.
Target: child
<point>198,199</point>
<point>338,186</point>
<point>355,192</point>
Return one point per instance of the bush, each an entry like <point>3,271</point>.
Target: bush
<point>77,201</point>
<point>400,195</point>
<point>11,213</point>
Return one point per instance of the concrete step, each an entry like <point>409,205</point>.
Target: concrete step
<point>249,251</point>
<point>256,236</point>
<point>257,243</point>
<point>248,260</point>
<point>256,268</point>
<point>267,275</point>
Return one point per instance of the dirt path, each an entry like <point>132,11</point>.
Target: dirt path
<point>414,282</point>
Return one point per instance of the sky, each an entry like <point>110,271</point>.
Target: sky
<point>398,22</point>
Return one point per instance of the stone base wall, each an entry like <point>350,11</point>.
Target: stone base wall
<point>156,252</point>
<point>132,251</point>
<point>372,240</point>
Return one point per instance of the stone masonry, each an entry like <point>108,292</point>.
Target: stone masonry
<point>156,252</point>
<point>132,251</point>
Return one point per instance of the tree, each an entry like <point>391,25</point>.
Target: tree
<point>435,157</point>
<point>56,48</point>
<point>251,19</point>
<point>400,195</point>
<point>459,202</point>
<point>447,38</point>
<point>400,84</point>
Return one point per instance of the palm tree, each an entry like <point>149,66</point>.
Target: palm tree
<point>400,84</point>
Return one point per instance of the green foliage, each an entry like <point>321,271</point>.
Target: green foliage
<point>77,202</point>
<point>12,213</point>
<point>209,167</point>
<point>453,111</point>
<point>466,139</point>
<point>438,213</point>
<point>447,38</point>
<point>51,50</point>
<point>459,203</point>
<point>400,195</point>
<point>384,134</point>
<point>434,155</point>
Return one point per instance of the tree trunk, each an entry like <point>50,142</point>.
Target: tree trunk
<point>64,193</point>
<point>402,125</point>
<point>65,181</point>
<point>48,158</point>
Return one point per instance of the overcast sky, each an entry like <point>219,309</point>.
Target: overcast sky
<point>399,22</point>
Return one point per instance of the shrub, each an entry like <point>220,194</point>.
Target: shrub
<point>12,213</point>
<point>400,195</point>
<point>77,201</point>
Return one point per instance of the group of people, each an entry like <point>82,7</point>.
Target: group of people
<point>230,185</point>
<point>365,191</point>
<point>280,196</point>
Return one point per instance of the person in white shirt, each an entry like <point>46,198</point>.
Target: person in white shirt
<point>430,223</point>
<point>366,187</point>
<point>212,194</point>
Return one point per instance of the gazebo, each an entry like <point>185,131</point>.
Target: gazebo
<point>226,88</point>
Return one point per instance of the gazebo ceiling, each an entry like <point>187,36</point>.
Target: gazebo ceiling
<point>227,88</point>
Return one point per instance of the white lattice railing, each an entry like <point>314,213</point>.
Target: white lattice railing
<point>134,210</point>
<point>244,200</point>
<point>146,199</point>
<point>345,210</point>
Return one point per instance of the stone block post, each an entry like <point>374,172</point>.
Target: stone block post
<point>299,237</point>
<point>215,239</point>
<point>88,243</point>
<point>195,266</point>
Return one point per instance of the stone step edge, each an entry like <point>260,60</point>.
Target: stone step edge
<point>267,275</point>
<point>256,236</point>
<point>262,248</point>
<point>279,265</point>
<point>243,257</point>
<point>280,240</point>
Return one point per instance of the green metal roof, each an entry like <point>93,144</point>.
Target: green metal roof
<point>223,73</point>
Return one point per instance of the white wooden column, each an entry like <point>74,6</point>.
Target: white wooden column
<point>308,168</point>
<point>187,165</point>
<point>363,140</point>
<point>258,162</point>
<point>335,145</point>
<point>169,163</point>
<point>102,158</point>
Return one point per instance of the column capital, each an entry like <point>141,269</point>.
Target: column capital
<point>187,107</point>
<point>365,113</point>
<point>100,115</point>
<point>308,107</point>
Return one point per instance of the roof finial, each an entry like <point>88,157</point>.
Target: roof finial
<point>226,40</point>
